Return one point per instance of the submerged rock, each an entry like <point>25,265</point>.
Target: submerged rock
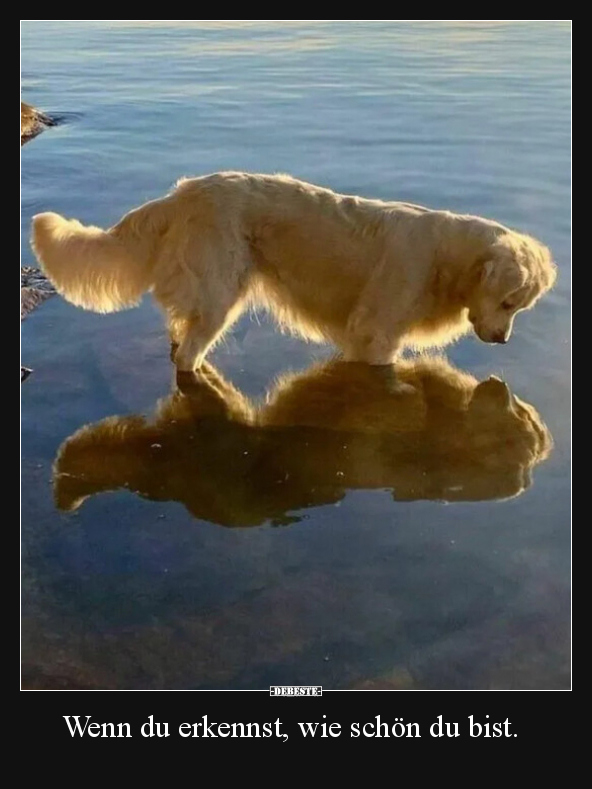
<point>31,298</point>
<point>34,278</point>
<point>35,289</point>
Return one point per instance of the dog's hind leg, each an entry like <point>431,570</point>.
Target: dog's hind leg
<point>204,292</point>
<point>197,337</point>
<point>213,312</point>
<point>200,331</point>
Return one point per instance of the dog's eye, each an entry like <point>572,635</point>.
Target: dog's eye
<point>506,305</point>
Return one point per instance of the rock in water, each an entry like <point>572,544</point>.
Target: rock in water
<point>32,122</point>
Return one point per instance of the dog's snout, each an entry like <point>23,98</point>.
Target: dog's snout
<point>493,337</point>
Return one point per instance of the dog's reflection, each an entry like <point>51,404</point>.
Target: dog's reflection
<point>423,430</point>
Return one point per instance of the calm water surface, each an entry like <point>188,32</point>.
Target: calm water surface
<point>281,522</point>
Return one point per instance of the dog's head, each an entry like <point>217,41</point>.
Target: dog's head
<point>514,274</point>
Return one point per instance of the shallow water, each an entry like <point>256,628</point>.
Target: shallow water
<point>243,531</point>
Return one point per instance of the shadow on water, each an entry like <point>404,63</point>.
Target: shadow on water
<point>430,432</point>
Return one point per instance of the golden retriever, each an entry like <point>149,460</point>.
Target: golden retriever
<point>369,276</point>
<point>321,432</point>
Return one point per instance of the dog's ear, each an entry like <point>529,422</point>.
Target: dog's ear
<point>492,393</point>
<point>488,270</point>
<point>503,272</point>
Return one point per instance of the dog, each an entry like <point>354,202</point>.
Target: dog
<point>332,428</point>
<point>371,277</point>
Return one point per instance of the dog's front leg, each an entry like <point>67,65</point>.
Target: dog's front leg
<point>369,340</point>
<point>371,349</point>
<point>377,325</point>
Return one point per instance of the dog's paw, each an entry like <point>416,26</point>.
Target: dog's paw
<point>400,388</point>
<point>188,380</point>
<point>387,375</point>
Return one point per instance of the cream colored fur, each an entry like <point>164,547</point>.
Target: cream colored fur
<point>369,276</point>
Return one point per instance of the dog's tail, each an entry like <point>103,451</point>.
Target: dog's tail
<point>92,268</point>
